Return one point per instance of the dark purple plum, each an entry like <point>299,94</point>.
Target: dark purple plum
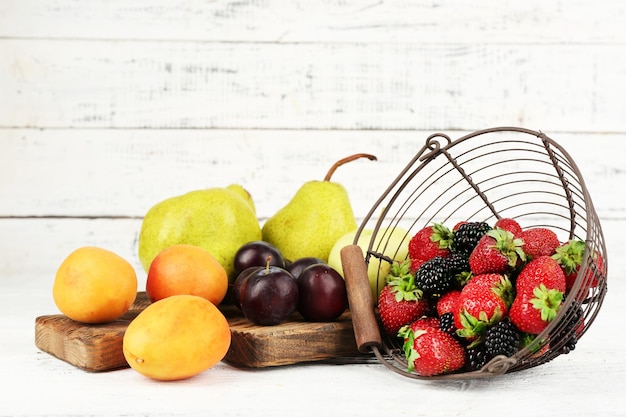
<point>257,253</point>
<point>322,293</point>
<point>268,296</point>
<point>239,282</point>
<point>296,267</point>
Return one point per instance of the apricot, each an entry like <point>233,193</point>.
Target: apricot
<point>94,285</point>
<point>176,338</point>
<point>186,269</point>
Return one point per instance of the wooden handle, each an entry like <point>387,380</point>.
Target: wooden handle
<point>366,331</point>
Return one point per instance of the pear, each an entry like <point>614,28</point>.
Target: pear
<point>237,188</point>
<point>317,215</point>
<point>217,219</point>
<point>392,242</point>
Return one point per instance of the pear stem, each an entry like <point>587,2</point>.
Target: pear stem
<point>345,160</point>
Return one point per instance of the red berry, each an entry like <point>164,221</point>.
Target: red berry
<point>542,270</point>
<point>400,302</point>
<point>430,351</point>
<point>539,241</point>
<point>498,251</point>
<point>447,302</point>
<point>429,242</point>
<point>509,224</point>
<point>569,255</point>
<point>540,287</point>
<point>477,309</point>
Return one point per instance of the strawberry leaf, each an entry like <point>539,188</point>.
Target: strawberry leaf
<point>402,282</point>
<point>570,255</point>
<point>442,235</point>
<point>547,301</point>
<point>508,245</point>
<point>504,290</point>
<point>409,345</point>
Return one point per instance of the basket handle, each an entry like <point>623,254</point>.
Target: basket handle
<point>366,330</point>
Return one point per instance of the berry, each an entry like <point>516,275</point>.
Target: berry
<point>566,335</point>
<point>430,351</point>
<point>428,242</point>
<point>476,357</point>
<point>542,270</point>
<point>509,224</point>
<point>400,302</point>
<point>532,313</point>
<point>497,251</point>
<point>447,302</point>
<point>467,235</point>
<point>433,276</point>
<point>540,287</point>
<point>502,338</point>
<point>570,256</point>
<point>477,309</point>
<point>539,241</point>
<point>446,323</point>
<point>499,284</point>
<point>458,265</point>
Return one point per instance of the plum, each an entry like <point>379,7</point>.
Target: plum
<point>322,293</point>
<point>268,296</point>
<point>257,253</point>
<point>296,267</point>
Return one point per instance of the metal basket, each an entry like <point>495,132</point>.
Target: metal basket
<point>488,174</point>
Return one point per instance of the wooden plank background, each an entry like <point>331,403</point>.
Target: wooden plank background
<point>108,107</point>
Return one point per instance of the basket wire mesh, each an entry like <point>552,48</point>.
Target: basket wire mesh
<point>483,176</point>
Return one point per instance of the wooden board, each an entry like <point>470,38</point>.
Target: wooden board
<point>98,347</point>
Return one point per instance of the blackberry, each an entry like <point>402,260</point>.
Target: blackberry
<point>446,323</point>
<point>458,265</point>
<point>433,276</point>
<point>566,335</point>
<point>467,235</point>
<point>503,338</point>
<point>476,357</point>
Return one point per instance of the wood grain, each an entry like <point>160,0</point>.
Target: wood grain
<point>100,173</point>
<point>98,347</point>
<point>173,85</point>
<point>507,21</point>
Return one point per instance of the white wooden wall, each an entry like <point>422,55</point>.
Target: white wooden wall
<point>107,107</point>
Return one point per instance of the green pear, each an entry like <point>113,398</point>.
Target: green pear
<point>391,242</point>
<point>237,188</point>
<point>316,216</point>
<point>217,219</point>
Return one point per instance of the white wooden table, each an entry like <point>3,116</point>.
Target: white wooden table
<point>108,107</point>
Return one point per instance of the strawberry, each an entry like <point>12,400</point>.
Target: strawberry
<point>430,351</point>
<point>509,224</point>
<point>539,241</point>
<point>428,242</point>
<point>479,307</point>
<point>400,302</point>
<point>447,302</point>
<point>498,251</point>
<point>540,287</point>
<point>543,270</point>
<point>499,284</point>
<point>570,256</point>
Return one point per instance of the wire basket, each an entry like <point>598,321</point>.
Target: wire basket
<point>483,176</point>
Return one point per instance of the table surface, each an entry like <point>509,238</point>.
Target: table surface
<point>587,382</point>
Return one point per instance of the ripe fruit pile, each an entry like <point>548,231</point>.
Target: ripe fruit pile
<point>269,289</point>
<point>468,294</point>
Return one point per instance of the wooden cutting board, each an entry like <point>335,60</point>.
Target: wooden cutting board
<point>98,347</point>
